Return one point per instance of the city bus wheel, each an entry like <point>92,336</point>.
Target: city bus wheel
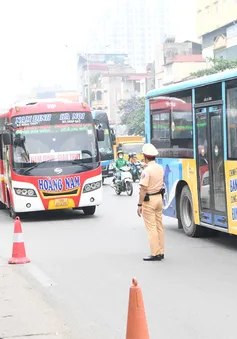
<point>186,214</point>
<point>12,212</point>
<point>89,210</point>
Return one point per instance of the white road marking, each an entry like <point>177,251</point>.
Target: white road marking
<point>40,276</point>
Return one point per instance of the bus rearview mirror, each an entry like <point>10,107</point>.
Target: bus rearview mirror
<point>6,137</point>
<point>113,138</point>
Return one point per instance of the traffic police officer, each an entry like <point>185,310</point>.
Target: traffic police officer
<point>150,202</point>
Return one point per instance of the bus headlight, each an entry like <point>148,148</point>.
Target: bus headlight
<point>24,192</point>
<point>92,187</point>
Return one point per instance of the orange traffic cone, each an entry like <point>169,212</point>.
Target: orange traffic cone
<point>18,250</point>
<point>136,322</point>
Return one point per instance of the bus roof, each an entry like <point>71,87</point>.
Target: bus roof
<point>100,115</point>
<point>197,82</point>
<point>35,106</point>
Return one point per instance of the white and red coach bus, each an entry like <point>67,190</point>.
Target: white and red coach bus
<point>49,157</point>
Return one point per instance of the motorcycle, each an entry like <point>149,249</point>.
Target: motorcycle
<point>125,184</point>
<point>136,171</point>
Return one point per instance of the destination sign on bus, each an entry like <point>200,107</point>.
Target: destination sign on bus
<point>51,119</point>
<point>56,156</point>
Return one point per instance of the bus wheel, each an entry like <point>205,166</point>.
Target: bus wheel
<point>186,214</point>
<point>2,206</point>
<point>12,212</point>
<point>89,210</point>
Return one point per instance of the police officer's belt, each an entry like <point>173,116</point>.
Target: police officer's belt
<point>160,192</point>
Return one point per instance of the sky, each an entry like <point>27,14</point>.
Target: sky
<point>34,36</point>
<point>40,40</point>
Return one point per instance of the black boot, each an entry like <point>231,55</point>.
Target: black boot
<point>153,258</point>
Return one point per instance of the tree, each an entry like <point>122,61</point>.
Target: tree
<point>132,114</point>
<point>218,65</point>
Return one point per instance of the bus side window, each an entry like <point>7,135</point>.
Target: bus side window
<point>172,124</point>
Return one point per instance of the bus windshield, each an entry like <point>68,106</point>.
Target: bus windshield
<point>53,137</point>
<point>106,145</point>
<point>132,148</point>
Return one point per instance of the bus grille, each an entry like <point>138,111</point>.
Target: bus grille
<point>59,194</point>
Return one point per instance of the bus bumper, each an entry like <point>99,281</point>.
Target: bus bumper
<point>24,204</point>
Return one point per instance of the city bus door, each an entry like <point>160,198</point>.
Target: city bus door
<point>210,165</point>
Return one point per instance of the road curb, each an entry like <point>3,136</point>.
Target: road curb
<point>23,310</point>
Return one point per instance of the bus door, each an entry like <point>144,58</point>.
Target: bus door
<point>210,165</point>
<point>2,182</point>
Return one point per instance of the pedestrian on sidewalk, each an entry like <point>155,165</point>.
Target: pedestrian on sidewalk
<point>150,202</point>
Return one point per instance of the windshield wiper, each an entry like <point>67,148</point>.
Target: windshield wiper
<point>36,165</point>
<point>86,166</point>
<point>77,162</point>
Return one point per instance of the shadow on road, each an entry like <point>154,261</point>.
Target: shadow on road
<point>212,237</point>
<point>61,215</point>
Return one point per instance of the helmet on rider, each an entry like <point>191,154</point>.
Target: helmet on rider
<point>134,154</point>
<point>120,154</point>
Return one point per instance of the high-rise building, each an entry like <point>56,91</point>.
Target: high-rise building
<point>180,19</point>
<point>136,27</point>
<point>132,26</point>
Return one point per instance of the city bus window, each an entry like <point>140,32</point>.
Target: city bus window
<point>172,125</point>
<point>231,111</point>
<point>161,126</point>
<point>208,93</point>
<point>182,124</point>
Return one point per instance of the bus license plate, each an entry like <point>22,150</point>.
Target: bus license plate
<point>61,202</point>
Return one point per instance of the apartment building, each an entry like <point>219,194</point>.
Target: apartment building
<point>217,27</point>
<point>177,60</point>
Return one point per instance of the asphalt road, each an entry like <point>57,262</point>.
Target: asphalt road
<point>84,266</point>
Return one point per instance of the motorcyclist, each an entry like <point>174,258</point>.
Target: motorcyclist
<point>133,158</point>
<point>120,162</point>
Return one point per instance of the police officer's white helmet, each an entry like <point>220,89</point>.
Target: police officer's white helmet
<point>149,150</point>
